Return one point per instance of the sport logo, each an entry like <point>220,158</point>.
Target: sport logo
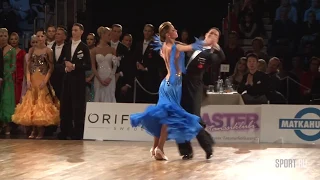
<point>298,123</point>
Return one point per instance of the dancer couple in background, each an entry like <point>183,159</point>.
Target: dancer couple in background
<point>171,118</point>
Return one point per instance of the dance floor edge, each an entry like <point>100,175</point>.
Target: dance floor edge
<point>111,160</point>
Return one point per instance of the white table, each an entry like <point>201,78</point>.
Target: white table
<point>223,99</point>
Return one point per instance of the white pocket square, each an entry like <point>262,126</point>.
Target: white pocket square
<point>79,52</point>
<point>259,82</point>
<point>79,56</point>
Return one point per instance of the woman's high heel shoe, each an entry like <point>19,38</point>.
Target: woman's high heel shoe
<point>32,135</point>
<point>152,152</point>
<point>159,155</point>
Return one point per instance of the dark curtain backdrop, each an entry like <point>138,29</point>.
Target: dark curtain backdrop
<point>196,16</point>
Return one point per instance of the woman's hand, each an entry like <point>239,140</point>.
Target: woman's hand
<point>107,81</point>
<point>88,80</point>
<point>43,84</point>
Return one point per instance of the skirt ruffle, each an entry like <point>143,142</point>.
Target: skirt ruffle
<point>37,109</point>
<point>182,126</point>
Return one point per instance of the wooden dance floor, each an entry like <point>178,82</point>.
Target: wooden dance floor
<point>111,160</point>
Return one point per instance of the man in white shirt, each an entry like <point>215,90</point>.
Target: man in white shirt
<point>149,66</point>
<point>51,32</point>
<point>122,73</point>
<point>58,60</point>
<point>72,110</point>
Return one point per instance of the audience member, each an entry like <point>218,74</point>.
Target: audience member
<point>257,48</point>
<point>254,86</point>
<point>283,35</point>
<point>233,51</point>
<point>239,71</point>
<point>262,65</point>
<point>315,7</point>
<point>292,11</point>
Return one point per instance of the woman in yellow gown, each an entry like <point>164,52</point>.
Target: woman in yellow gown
<point>39,106</point>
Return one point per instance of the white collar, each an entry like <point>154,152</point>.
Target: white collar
<point>60,45</point>
<point>76,42</point>
<point>50,43</point>
<point>115,42</point>
<point>146,42</point>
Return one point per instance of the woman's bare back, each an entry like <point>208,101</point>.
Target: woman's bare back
<point>166,53</point>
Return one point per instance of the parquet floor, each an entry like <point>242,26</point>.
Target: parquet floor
<point>96,160</point>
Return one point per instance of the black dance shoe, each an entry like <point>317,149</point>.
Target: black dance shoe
<point>187,157</point>
<point>209,155</point>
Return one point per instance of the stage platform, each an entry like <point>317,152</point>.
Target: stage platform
<point>116,160</point>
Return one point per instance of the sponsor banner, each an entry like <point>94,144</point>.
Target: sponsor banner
<point>111,121</point>
<point>233,123</point>
<point>290,124</point>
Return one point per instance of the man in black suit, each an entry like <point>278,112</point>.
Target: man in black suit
<point>149,65</point>
<point>73,102</point>
<point>192,89</point>
<point>125,81</point>
<point>58,49</point>
<point>59,65</point>
<point>1,67</point>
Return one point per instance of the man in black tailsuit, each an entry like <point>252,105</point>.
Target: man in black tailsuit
<point>56,78</point>
<point>73,102</point>
<point>58,48</point>
<point>192,90</point>
<point>125,80</point>
<point>149,65</point>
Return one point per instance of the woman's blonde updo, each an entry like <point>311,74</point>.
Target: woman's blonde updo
<point>102,30</point>
<point>164,29</point>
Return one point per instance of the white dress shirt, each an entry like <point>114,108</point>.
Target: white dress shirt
<point>58,50</point>
<point>145,45</point>
<point>49,44</point>
<point>114,44</point>
<point>74,46</point>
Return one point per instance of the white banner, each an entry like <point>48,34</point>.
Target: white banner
<point>233,123</point>
<point>290,124</point>
<point>111,121</point>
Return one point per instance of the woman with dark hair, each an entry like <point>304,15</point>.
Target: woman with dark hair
<point>167,119</point>
<point>39,106</point>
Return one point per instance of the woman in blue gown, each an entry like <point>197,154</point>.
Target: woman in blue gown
<point>167,120</point>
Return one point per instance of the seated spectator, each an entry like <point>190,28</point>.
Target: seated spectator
<point>297,65</point>
<point>257,48</point>
<point>255,8</point>
<point>262,65</point>
<point>234,25</point>
<point>292,14</point>
<point>184,37</point>
<point>277,87</point>
<point>307,51</point>
<point>254,86</point>
<point>309,76</point>
<point>310,29</point>
<point>248,28</point>
<point>272,71</point>
<point>283,36</point>
<point>232,51</point>
<point>282,73</point>
<point>239,71</point>
<point>315,7</point>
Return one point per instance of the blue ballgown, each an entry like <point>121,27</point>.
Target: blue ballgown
<point>182,126</point>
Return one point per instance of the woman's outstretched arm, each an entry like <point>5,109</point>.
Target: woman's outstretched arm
<point>198,45</point>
